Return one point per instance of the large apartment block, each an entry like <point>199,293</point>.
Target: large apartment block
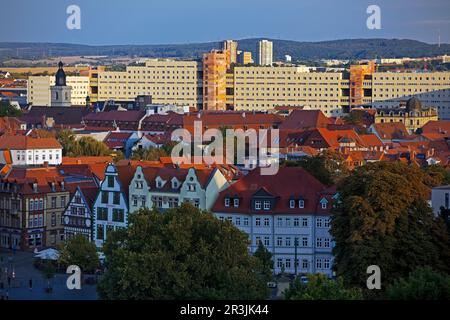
<point>263,88</point>
<point>168,81</point>
<point>38,89</point>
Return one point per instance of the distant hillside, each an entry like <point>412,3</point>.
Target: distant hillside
<point>338,49</point>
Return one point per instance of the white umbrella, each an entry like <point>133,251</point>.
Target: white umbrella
<point>48,254</point>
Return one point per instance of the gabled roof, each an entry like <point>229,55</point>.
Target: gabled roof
<point>289,183</point>
<point>439,127</point>
<point>391,130</point>
<point>371,140</point>
<point>305,119</point>
<point>26,143</point>
<point>117,140</point>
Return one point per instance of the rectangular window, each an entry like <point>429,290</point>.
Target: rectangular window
<point>110,182</point>
<point>288,242</point>
<point>326,263</point>
<point>319,264</point>
<point>116,198</point>
<point>326,222</point>
<point>266,222</point>
<point>279,241</point>
<point>257,205</point>
<point>227,202</point>
<point>304,241</point>
<point>319,242</point>
<point>291,204</point>
<point>100,232</point>
<point>266,205</point>
<point>238,221</point>
<point>288,263</point>
<point>319,223</point>
<point>53,202</point>
<point>304,222</point>
<point>102,214</point>
<point>296,222</point>
<point>288,222</point>
<point>135,200</point>
<point>326,242</point>
<point>245,221</point>
<point>279,222</point>
<point>266,241</point>
<point>53,220</point>
<point>301,204</point>
<point>63,201</point>
<point>258,222</point>
<point>305,264</point>
<point>236,202</point>
<point>118,215</point>
<point>104,197</point>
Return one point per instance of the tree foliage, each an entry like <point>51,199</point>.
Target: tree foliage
<point>319,287</point>
<point>7,110</point>
<point>149,154</point>
<point>183,253</point>
<point>78,250</point>
<point>422,284</point>
<point>265,261</point>
<point>83,147</point>
<point>328,167</point>
<point>382,218</point>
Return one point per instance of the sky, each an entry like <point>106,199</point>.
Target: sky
<point>188,21</point>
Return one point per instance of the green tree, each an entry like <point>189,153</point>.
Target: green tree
<point>328,167</point>
<point>183,253</point>
<point>79,251</point>
<point>319,287</point>
<point>7,110</point>
<point>422,284</point>
<point>67,139</point>
<point>148,154</point>
<point>439,173</point>
<point>382,218</point>
<point>264,257</point>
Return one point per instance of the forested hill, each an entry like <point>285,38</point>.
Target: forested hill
<point>337,49</point>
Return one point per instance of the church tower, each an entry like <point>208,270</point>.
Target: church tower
<point>60,92</point>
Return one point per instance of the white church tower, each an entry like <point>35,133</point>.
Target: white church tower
<point>60,92</point>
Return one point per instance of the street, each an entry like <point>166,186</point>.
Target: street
<point>18,267</point>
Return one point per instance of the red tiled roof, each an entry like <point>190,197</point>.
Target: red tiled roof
<point>371,140</point>
<point>25,143</point>
<point>86,160</point>
<point>441,127</point>
<point>305,119</point>
<point>117,140</point>
<point>391,130</point>
<point>288,183</point>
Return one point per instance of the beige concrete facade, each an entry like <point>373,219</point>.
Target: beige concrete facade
<point>167,81</point>
<point>38,89</point>
<point>263,88</point>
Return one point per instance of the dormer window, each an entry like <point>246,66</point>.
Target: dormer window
<point>35,187</point>
<point>158,184</point>
<point>301,204</point>
<point>292,204</point>
<point>236,202</point>
<point>323,203</point>
<point>266,205</point>
<point>227,202</point>
<point>257,205</point>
